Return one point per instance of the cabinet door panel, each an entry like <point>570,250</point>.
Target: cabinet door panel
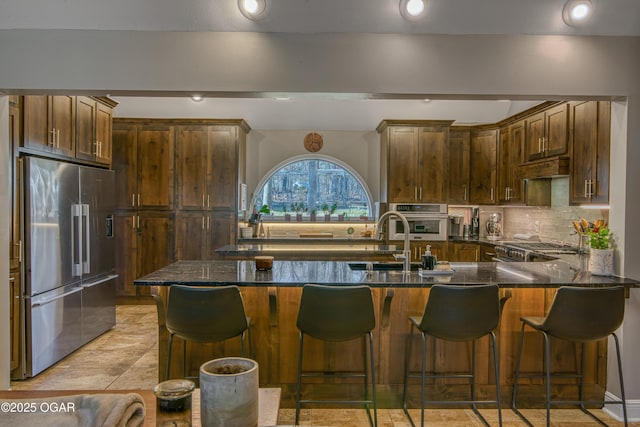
<point>432,162</point>
<point>125,165</point>
<point>104,116</point>
<point>557,119</point>
<point>222,231</point>
<point>483,166</point>
<point>191,166</point>
<point>223,168</point>
<point>155,241</point>
<point>62,120</point>
<point>585,136</point>
<point>85,128</point>
<point>125,233</point>
<point>459,163</point>
<point>191,235</point>
<point>155,166</point>
<point>603,153</point>
<point>534,135</point>
<point>403,155</point>
<point>14,168</point>
<point>36,123</point>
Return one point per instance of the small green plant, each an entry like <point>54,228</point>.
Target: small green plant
<point>599,237</point>
<point>265,209</point>
<point>333,208</point>
<point>325,208</point>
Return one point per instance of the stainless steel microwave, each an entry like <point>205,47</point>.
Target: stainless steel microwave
<point>427,221</point>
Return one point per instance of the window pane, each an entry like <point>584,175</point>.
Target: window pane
<point>313,185</point>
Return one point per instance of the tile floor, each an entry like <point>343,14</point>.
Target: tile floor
<point>126,358</point>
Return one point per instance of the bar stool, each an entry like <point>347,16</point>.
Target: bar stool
<point>204,314</point>
<point>456,313</point>
<point>338,313</point>
<point>578,315</point>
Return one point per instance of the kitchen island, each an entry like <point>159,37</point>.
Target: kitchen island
<point>272,300</point>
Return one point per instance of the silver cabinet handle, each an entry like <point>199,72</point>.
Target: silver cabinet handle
<point>415,192</point>
<point>138,199</point>
<point>133,222</point>
<point>57,138</point>
<point>539,145</point>
<point>420,198</point>
<point>492,194</point>
<point>477,254</point>
<point>208,223</point>
<point>586,188</point>
<point>133,200</point>
<point>203,205</point>
<point>465,192</point>
<point>203,222</point>
<point>208,200</point>
<point>52,143</point>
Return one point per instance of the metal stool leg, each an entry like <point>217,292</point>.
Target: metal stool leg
<point>373,383</point>
<point>517,373</point>
<point>547,366</point>
<point>407,363</point>
<point>166,376</point>
<point>299,385</point>
<point>497,371</point>
<point>623,397</point>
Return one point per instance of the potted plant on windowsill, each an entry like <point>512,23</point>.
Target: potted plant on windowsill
<point>600,252</point>
<point>299,208</point>
<point>325,208</point>
<point>285,211</point>
<point>312,215</point>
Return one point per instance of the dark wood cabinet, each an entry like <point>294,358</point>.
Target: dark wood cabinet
<point>143,159</point>
<point>459,164</point>
<point>183,215</point>
<point>49,124</point>
<point>547,133</point>
<point>14,171</point>
<point>590,146</point>
<point>419,248</point>
<point>144,243</point>
<point>510,146</point>
<point>464,252</point>
<point>207,167</point>
<point>483,181</point>
<point>93,130</point>
<point>416,158</point>
<point>14,318</point>
<point>487,252</point>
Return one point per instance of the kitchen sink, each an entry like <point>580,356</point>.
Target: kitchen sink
<point>383,266</point>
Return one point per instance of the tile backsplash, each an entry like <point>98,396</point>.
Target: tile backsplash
<point>550,223</point>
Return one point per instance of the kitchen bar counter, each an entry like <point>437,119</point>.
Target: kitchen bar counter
<point>310,249</point>
<point>297,273</point>
<point>272,300</point>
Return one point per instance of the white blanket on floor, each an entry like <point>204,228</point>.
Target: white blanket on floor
<point>82,410</point>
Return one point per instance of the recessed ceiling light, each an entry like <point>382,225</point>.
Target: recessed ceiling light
<point>252,9</point>
<point>282,98</point>
<point>577,12</point>
<point>413,9</point>
<point>197,98</point>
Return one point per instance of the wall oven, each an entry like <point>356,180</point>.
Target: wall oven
<point>427,221</point>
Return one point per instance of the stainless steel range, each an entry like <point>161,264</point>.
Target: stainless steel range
<point>527,251</point>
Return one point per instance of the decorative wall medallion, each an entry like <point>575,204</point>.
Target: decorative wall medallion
<point>313,142</point>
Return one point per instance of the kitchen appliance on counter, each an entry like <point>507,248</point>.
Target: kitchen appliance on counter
<point>529,251</point>
<point>456,226</point>
<point>474,231</point>
<point>69,289</point>
<point>494,226</point>
<point>427,221</point>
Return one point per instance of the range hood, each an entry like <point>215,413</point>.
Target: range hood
<point>557,166</point>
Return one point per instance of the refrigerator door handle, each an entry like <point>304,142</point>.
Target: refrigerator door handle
<point>76,240</point>
<point>57,297</point>
<point>86,264</point>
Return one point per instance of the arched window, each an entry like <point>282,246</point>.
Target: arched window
<point>313,184</point>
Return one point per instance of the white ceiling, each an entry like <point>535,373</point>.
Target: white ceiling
<point>312,111</point>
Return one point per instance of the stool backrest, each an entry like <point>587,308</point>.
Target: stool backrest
<point>461,313</point>
<point>585,314</point>
<point>205,314</point>
<point>336,313</point>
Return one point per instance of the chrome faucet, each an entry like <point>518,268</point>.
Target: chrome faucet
<point>407,249</point>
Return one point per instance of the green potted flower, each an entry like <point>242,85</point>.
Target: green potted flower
<point>600,252</point>
<point>327,215</point>
<point>312,215</point>
<point>285,211</point>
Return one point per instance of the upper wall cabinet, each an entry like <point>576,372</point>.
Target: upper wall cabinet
<point>590,143</point>
<point>207,166</point>
<point>69,127</point>
<point>49,124</point>
<point>483,182</point>
<point>510,145</point>
<point>546,133</point>
<point>414,161</point>
<point>144,165</point>
<point>93,130</point>
<point>459,164</point>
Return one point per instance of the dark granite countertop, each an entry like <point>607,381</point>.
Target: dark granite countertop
<point>297,273</point>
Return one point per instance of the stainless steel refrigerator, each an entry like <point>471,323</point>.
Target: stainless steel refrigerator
<point>69,291</point>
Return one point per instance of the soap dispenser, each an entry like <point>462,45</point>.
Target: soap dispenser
<point>428,261</point>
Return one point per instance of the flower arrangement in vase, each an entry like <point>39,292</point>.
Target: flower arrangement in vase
<point>600,252</point>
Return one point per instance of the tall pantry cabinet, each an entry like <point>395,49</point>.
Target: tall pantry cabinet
<point>177,186</point>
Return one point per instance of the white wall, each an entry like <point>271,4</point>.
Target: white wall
<point>266,149</point>
<point>544,67</point>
